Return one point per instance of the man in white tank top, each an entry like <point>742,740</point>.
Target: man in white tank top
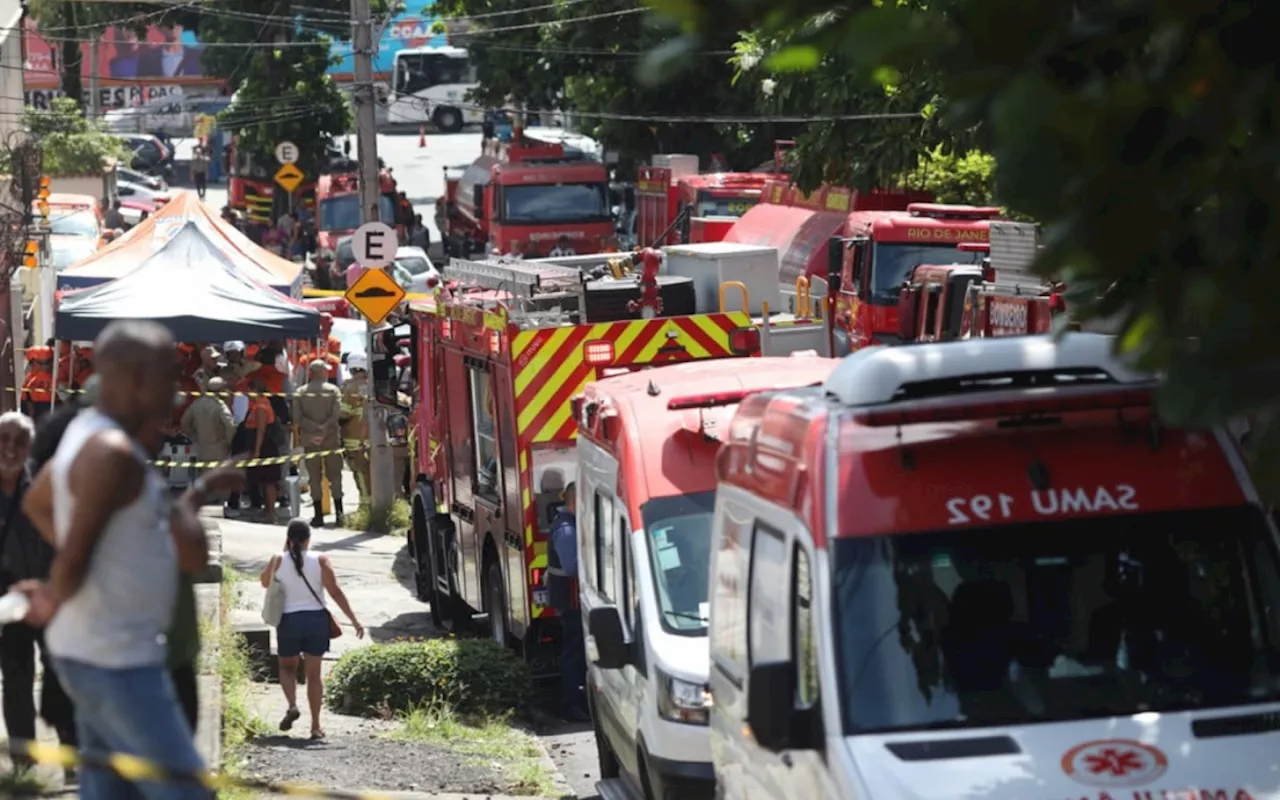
<point>120,543</point>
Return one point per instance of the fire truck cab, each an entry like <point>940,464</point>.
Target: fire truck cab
<point>986,569</point>
<point>525,198</point>
<point>676,205</point>
<point>498,362</point>
<point>878,255</point>
<point>338,213</point>
<point>251,186</point>
<point>647,444</point>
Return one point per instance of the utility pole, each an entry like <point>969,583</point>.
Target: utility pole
<point>381,468</point>
<point>95,96</point>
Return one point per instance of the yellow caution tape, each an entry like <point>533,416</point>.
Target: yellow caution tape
<point>135,769</point>
<point>270,461</point>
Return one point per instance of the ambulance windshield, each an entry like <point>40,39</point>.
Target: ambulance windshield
<point>679,538</point>
<point>1050,621</point>
<point>893,262</point>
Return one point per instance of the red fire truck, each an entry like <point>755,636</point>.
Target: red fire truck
<point>251,186</point>
<point>527,198</point>
<point>339,214</point>
<point>675,205</point>
<point>497,366</point>
<point>878,255</point>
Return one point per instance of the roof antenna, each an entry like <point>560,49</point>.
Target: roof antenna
<point>653,389</point>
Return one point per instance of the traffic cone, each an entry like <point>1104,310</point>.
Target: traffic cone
<point>422,136</point>
<point>325,504</point>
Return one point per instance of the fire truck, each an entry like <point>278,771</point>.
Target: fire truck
<point>339,214</point>
<point>497,365</point>
<point>251,186</point>
<point>987,569</point>
<point>960,301</point>
<point>526,198</point>
<point>676,205</point>
<point>877,257</point>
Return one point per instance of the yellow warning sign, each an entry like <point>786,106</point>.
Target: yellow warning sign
<point>289,176</point>
<point>375,294</point>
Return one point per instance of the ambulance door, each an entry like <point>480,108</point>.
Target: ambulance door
<point>634,678</point>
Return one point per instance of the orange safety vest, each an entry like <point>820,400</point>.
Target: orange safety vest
<point>335,365</point>
<point>38,385</point>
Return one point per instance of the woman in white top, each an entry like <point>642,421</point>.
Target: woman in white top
<point>304,626</point>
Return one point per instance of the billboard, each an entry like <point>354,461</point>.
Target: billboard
<point>403,32</point>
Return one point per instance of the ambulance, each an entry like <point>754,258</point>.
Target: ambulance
<point>985,570</point>
<point>647,444</point>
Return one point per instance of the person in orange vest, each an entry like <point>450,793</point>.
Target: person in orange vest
<point>334,359</point>
<point>37,385</point>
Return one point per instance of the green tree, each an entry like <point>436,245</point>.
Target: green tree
<point>71,144</point>
<point>1141,134</point>
<point>67,24</point>
<point>953,177</point>
<point>584,57</point>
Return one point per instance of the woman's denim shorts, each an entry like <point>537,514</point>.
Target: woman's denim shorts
<point>303,633</point>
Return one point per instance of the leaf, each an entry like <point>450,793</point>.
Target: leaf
<point>797,58</point>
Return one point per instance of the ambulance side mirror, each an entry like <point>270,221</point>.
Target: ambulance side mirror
<point>776,723</point>
<point>604,626</point>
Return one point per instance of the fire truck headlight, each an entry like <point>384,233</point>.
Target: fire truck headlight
<point>683,701</point>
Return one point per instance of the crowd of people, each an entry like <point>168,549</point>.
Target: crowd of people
<point>84,514</point>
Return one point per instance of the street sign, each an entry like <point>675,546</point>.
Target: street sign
<point>374,244</point>
<point>375,295</point>
<point>289,177</point>
<point>287,153</point>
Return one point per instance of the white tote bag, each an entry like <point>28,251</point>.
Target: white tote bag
<point>273,602</point>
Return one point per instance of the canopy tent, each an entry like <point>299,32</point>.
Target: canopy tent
<point>194,288</point>
<point>800,234</point>
<point>149,236</point>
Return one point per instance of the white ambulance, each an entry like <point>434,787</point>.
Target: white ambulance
<point>984,570</point>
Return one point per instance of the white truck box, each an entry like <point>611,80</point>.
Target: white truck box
<point>711,264</point>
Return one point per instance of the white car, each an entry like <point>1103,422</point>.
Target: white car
<point>414,270</point>
<point>138,191</point>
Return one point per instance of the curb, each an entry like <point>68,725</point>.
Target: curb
<point>209,607</point>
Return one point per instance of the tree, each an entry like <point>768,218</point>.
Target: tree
<point>953,177</point>
<point>67,24</point>
<point>1142,135</point>
<point>583,57</point>
<point>71,144</point>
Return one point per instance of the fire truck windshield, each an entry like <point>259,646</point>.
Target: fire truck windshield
<point>342,213</point>
<point>892,262</point>
<point>555,203</point>
<point>725,206</point>
<point>679,542</point>
<point>1048,621</point>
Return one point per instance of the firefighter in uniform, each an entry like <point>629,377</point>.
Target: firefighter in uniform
<point>562,589</point>
<point>355,431</point>
<point>37,385</point>
<point>315,413</point>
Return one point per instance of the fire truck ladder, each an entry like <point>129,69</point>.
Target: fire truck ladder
<point>529,277</point>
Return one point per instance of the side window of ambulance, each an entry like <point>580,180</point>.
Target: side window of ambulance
<point>627,598</point>
<point>806,652</point>
<point>767,602</point>
<point>605,535</point>
<point>729,595</point>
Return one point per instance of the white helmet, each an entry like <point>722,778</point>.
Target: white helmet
<point>358,361</point>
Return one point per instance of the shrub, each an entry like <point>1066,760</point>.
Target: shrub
<point>469,676</point>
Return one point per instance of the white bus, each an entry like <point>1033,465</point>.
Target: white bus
<point>430,84</point>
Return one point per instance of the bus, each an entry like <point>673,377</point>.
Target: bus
<point>430,84</point>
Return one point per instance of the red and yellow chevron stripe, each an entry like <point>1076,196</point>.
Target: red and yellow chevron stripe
<point>550,367</point>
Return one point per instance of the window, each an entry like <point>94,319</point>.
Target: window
<point>892,264</point>
<point>343,213</point>
<point>805,649</point>
<point>766,606</point>
<point>728,600</point>
<point>1043,622</point>
<point>555,203</point>
<point>710,205</point>
<point>627,599</point>
<point>65,221</point>
<point>605,533</point>
<point>486,443</point>
<point>679,543</point>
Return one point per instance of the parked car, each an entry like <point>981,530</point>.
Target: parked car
<point>134,209</point>
<point>141,178</point>
<point>150,155</point>
<point>136,191</point>
<point>414,270</point>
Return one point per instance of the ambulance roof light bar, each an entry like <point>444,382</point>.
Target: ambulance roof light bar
<point>879,375</point>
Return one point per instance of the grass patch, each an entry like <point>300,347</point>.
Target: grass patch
<point>22,783</point>
<point>396,520</point>
<point>239,725</point>
<point>488,741</point>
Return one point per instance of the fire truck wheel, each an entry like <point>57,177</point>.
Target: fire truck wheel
<point>497,604</point>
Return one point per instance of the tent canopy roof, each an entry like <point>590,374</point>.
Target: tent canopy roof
<point>193,287</point>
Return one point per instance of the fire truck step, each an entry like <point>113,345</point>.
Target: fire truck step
<point>616,789</point>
